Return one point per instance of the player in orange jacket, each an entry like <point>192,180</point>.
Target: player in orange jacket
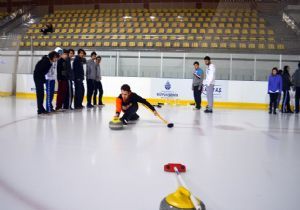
<point>127,102</point>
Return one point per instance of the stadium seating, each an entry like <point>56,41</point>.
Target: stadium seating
<point>156,28</point>
<point>3,15</point>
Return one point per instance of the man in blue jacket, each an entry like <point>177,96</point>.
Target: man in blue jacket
<point>78,78</point>
<point>40,71</point>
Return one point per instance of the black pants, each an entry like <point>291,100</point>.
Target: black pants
<point>69,98</point>
<point>39,89</point>
<point>297,96</point>
<point>98,87</point>
<point>90,90</point>
<point>197,95</point>
<point>130,113</point>
<point>79,93</point>
<point>278,99</point>
<point>273,102</point>
<point>286,107</point>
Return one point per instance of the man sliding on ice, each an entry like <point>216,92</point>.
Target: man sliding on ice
<point>127,102</point>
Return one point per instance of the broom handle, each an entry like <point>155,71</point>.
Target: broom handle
<point>162,119</point>
<point>158,115</point>
<point>192,197</point>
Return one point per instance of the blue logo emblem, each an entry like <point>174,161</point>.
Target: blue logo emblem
<point>168,85</point>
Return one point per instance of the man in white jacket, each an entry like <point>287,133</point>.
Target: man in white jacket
<point>210,83</point>
<point>51,76</point>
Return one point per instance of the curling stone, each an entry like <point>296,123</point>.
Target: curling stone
<point>116,124</point>
<point>179,200</point>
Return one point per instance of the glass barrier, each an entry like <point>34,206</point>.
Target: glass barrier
<point>9,48</point>
<point>162,63</point>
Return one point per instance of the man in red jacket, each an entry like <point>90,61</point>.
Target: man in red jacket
<point>127,102</point>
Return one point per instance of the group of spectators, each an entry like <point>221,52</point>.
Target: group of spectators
<point>282,82</point>
<point>63,66</point>
<point>197,85</point>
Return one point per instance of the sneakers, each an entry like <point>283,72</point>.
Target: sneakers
<point>89,106</point>
<point>59,110</point>
<point>44,112</point>
<point>208,111</point>
<point>79,107</point>
<point>196,108</point>
<point>287,111</point>
<point>124,121</point>
<point>134,117</point>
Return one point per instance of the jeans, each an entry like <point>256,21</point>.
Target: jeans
<point>98,87</point>
<point>197,95</point>
<point>50,86</point>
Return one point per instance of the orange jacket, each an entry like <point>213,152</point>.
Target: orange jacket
<point>118,105</point>
<point>133,99</point>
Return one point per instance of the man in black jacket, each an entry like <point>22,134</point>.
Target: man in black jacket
<point>286,87</point>
<point>69,99</point>
<point>63,71</point>
<point>296,83</point>
<point>78,78</point>
<point>41,69</point>
<point>127,102</point>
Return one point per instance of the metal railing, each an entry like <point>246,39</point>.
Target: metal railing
<point>156,64</point>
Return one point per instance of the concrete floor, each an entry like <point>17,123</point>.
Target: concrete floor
<point>236,159</point>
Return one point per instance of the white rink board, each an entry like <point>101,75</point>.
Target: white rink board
<point>6,83</point>
<point>225,91</point>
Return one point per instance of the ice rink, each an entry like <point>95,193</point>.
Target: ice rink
<point>235,159</point>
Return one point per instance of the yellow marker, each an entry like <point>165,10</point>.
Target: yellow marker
<point>180,199</point>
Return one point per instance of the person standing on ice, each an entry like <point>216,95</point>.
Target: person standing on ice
<point>98,84</point>
<point>197,85</point>
<point>210,83</point>
<point>286,87</point>
<point>63,70</point>
<point>41,69</point>
<point>274,88</point>
<point>78,78</point>
<point>127,102</point>
<point>296,83</point>
<point>91,74</point>
<point>51,77</point>
<point>70,95</point>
